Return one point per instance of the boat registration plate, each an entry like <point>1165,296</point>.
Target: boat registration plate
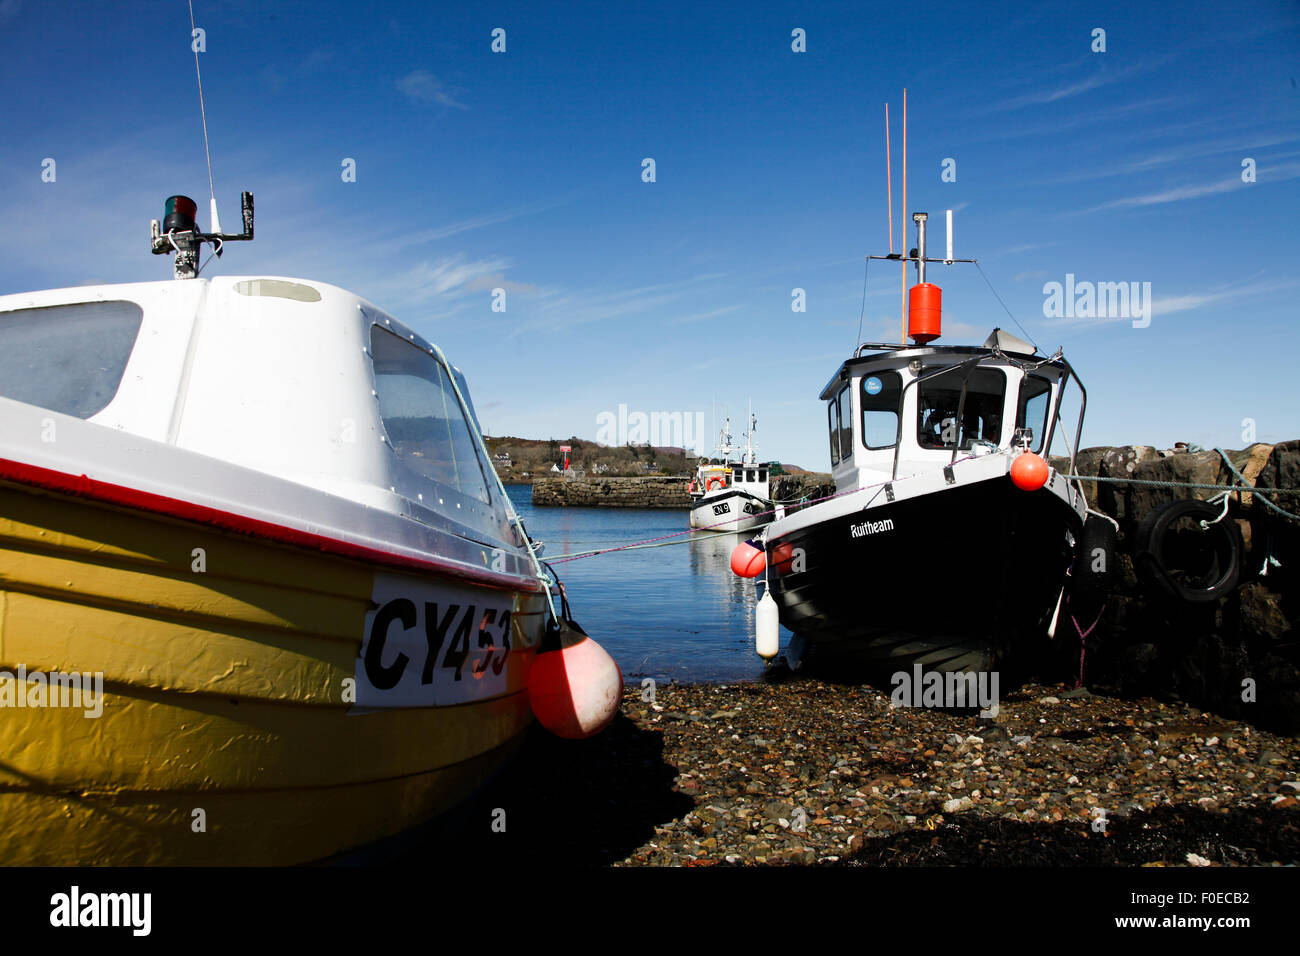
<point>431,644</point>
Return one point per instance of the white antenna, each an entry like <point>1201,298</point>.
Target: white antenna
<point>212,192</point>
<point>749,435</point>
<point>948,258</point>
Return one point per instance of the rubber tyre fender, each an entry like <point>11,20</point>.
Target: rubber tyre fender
<point>1097,533</point>
<point>1150,557</point>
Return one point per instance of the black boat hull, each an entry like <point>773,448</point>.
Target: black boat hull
<point>962,579</point>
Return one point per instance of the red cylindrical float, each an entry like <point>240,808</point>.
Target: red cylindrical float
<point>923,307</point>
<point>748,561</point>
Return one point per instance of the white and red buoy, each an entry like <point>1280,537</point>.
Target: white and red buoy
<point>574,686</point>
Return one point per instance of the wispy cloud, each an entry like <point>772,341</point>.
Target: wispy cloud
<point>448,275</point>
<point>1084,118</point>
<point>1244,145</point>
<point>1167,305</point>
<point>704,316</point>
<point>421,86</point>
<point>562,310</point>
<point>405,240</point>
<point>1265,174</point>
<point>1105,76</point>
<point>1170,305</point>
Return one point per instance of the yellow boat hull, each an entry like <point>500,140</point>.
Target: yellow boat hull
<point>229,731</point>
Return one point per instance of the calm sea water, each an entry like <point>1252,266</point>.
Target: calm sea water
<point>671,613</point>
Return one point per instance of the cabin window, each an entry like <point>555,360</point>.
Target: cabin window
<point>937,405</point>
<point>880,396</point>
<point>1032,405</point>
<point>67,358</point>
<point>833,422</point>
<point>423,419</point>
<point>846,422</point>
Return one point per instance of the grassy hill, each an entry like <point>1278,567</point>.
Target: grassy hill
<point>525,459</point>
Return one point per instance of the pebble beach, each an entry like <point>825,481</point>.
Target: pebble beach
<point>800,772</point>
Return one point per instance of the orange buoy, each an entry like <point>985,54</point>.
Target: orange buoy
<point>747,560</point>
<point>574,688</point>
<point>1029,471</point>
<point>924,302</point>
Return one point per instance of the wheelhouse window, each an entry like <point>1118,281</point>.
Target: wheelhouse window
<point>846,422</point>
<point>422,416</point>
<point>981,415</point>
<point>880,395</point>
<point>67,358</point>
<point>839,419</point>
<point>1032,406</point>
<point>833,425</point>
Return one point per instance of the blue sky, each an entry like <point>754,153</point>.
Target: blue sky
<point>523,170</point>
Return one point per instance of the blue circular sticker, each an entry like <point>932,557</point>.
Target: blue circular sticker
<point>874,386</point>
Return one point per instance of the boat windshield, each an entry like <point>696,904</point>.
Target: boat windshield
<point>981,415</point>
<point>1032,406</point>
<point>422,417</point>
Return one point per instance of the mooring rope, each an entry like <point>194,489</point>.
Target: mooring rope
<point>720,526</point>
<point>1244,488</point>
<point>1234,489</point>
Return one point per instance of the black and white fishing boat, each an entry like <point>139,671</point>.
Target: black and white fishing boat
<point>949,537</point>
<point>728,495</point>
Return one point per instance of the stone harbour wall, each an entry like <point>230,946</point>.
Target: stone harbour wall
<point>809,485</point>
<point>659,492</point>
<point>663,492</point>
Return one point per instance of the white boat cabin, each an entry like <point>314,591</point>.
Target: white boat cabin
<point>717,475</point>
<point>900,411</point>
<point>295,379</point>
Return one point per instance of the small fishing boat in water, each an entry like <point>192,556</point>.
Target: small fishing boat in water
<point>729,495</point>
<point>948,538</point>
<point>262,597</point>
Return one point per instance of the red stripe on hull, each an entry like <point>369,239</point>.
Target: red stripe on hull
<point>83,486</point>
